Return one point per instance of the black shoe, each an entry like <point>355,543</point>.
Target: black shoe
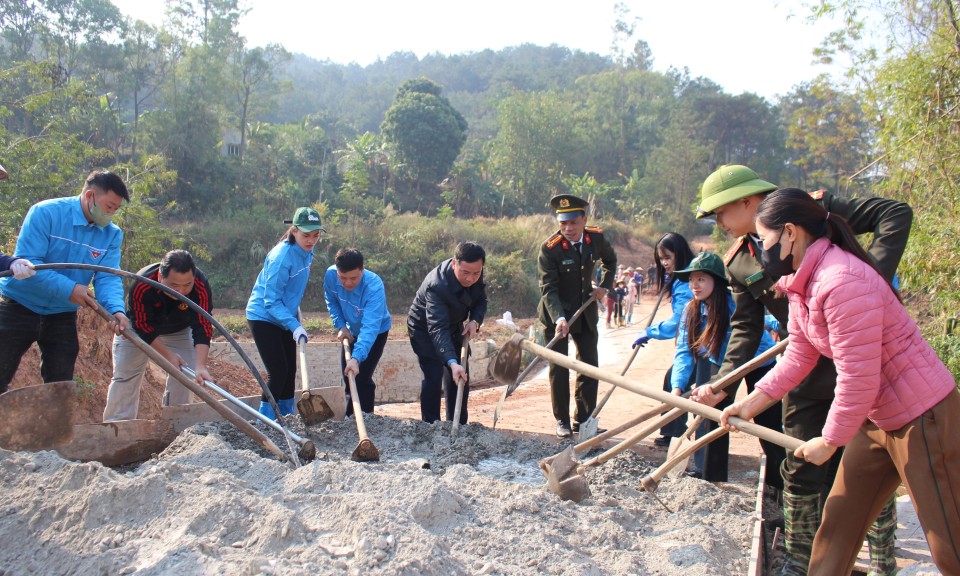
<point>695,474</point>
<point>662,441</point>
<point>575,427</point>
<point>563,430</point>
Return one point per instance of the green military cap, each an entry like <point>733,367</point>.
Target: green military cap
<point>704,262</point>
<point>568,206</point>
<point>729,183</point>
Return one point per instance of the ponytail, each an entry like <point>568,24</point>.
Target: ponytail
<point>794,206</point>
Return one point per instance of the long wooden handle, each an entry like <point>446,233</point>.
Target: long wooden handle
<point>651,480</point>
<point>354,397</point>
<point>461,384</point>
<point>302,353</point>
<point>556,338</point>
<point>228,414</point>
<point>626,366</point>
<point>667,398</point>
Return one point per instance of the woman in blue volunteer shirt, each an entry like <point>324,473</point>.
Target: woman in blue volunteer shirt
<point>672,253</point>
<point>273,304</point>
<point>703,334</point>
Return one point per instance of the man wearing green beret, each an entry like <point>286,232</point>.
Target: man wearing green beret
<point>732,194</point>
<point>566,264</point>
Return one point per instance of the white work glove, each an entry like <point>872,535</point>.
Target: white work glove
<point>22,268</point>
<point>300,334</point>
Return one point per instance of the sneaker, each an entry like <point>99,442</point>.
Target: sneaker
<point>563,430</point>
<point>695,474</point>
<point>662,441</point>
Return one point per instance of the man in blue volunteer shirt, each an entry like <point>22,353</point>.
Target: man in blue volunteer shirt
<point>358,307</point>
<point>43,308</point>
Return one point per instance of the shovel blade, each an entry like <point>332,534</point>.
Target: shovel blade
<point>574,488</point>
<point>558,466</point>
<point>588,428</point>
<point>37,417</point>
<point>319,404</point>
<point>506,363</point>
<point>365,452</point>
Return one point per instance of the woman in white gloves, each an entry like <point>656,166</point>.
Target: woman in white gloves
<point>272,307</point>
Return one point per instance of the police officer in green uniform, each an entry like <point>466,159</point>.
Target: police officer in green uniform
<point>566,265</point>
<point>732,194</point>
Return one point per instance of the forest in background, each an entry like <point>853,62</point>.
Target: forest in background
<point>220,141</point>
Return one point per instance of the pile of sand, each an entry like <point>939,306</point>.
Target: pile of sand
<point>213,503</point>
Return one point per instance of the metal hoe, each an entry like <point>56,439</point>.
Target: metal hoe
<point>37,417</point>
<point>506,364</point>
<point>365,450</point>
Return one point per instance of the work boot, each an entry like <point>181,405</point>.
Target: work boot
<point>287,407</point>
<point>563,430</point>
<point>801,518</point>
<point>882,540</point>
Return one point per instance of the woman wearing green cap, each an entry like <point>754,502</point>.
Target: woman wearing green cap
<point>273,304</point>
<point>703,333</point>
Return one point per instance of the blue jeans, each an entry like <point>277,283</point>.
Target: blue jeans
<point>55,335</point>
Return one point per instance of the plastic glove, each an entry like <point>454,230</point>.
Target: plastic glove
<point>641,341</point>
<point>300,334</point>
<point>22,268</point>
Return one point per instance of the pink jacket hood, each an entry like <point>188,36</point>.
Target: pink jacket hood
<point>841,308</point>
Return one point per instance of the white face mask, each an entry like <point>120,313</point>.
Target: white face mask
<point>100,218</point>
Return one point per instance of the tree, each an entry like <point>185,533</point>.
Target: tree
<point>255,84</point>
<point>423,132</point>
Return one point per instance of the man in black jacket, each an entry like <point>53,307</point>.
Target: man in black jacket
<point>168,325</point>
<point>449,306</point>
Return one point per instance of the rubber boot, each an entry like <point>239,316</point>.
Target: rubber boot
<point>287,407</point>
<point>801,518</point>
<point>882,537</point>
<point>267,410</point>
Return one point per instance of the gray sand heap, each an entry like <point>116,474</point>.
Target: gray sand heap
<point>212,503</point>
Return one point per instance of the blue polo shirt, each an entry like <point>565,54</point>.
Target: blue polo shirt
<point>56,231</point>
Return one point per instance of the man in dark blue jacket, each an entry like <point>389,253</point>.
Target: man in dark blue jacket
<point>449,306</point>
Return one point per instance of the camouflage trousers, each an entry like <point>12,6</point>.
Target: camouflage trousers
<point>801,518</point>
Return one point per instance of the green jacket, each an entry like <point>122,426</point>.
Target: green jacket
<point>888,220</point>
<point>566,277</point>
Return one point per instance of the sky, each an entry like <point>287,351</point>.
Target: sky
<point>759,46</point>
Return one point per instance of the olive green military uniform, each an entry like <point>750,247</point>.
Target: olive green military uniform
<point>805,408</point>
<point>566,273</point>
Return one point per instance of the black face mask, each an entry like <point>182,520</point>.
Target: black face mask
<point>772,263</point>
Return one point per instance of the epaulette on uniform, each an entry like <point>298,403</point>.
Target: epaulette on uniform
<point>553,240</point>
<point>817,195</point>
<point>594,229</point>
<point>733,250</point>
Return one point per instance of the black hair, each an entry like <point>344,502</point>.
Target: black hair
<point>797,207</point>
<point>713,333</point>
<point>108,182</point>
<point>470,252</point>
<point>348,259</point>
<point>178,261</point>
<point>682,255</point>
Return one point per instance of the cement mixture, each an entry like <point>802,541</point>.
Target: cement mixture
<point>214,503</point>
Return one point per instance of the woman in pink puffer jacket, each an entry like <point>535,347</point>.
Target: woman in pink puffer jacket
<point>896,408</point>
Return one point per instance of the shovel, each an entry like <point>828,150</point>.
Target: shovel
<point>588,428</point>
<point>37,417</point>
<point>464,352</point>
<point>228,414</point>
<point>676,443</point>
<point>365,450</point>
<point>506,364</point>
<point>317,404</point>
<point>652,480</point>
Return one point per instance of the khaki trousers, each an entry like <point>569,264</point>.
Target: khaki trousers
<point>129,364</point>
<point>925,456</point>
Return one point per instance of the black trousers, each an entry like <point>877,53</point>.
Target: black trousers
<point>366,387</point>
<point>279,354</point>
<point>585,392</point>
<point>676,428</point>
<point>715,456</point>
<point>438,380</point>
<point>55,335</point>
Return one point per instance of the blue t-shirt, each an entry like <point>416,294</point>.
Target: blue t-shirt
<point>362,310</point>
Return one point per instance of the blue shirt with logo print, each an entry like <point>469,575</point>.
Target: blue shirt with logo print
<point>362,310</point>
<point>56,231</point>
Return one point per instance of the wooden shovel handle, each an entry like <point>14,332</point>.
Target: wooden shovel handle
<point>651,480</point>
<point>354,397</point>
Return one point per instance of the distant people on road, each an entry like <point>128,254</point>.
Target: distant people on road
<point>167,324</point>
<point>274,304</point>
<point>357,303</point>
<point>42,308</point>
<point>566,264</point>
<point>449,307</point>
